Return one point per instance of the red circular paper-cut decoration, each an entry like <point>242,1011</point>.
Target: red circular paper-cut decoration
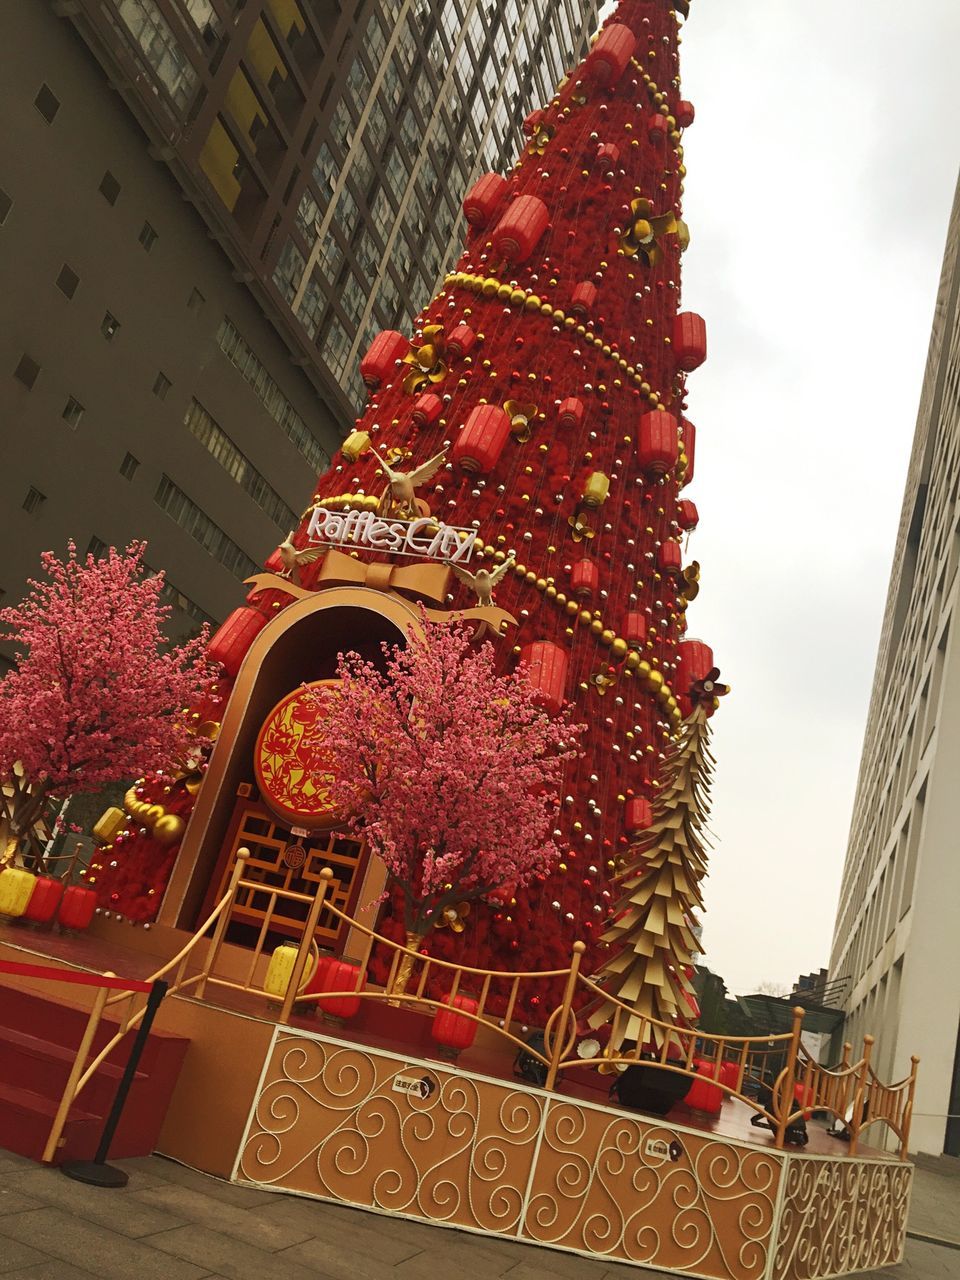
<point>293,770</point>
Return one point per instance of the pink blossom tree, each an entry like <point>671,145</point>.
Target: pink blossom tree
<point>97,694</point>
<point>450,771</point>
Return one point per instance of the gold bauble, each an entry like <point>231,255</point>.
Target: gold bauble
<point>618,648</point>
<point>169,829</point>
<point>153,814</point>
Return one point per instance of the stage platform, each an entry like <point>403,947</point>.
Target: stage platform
<point>379,1120</point>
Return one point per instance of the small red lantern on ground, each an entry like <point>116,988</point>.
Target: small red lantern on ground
<point>461,341</point>
<point>77,907</point>
<point>335,973</point>
<point>44,900</point>
<point>520,228</point>
<point>634,628</point>
<point>480,443</point>
<point>705,1095</point>
<point>234,637</point>
<point>689,340</point>
<point>453,1032</point>
<point>584,579</point>
<point>637,816</point>
<point>688,517</point>
<point>657,445</point>
<point>426,409</point>
<point>657,128</point>
<point>684,114</point>
<point>688,447</point>
<point>484,197</point>
<point>583,299</point>
<point>728,1074</point>
<point>380,362</point>
<point>669,557</point>
<point>546,665</point>
<point>570,413</point>
<point>611,52</point>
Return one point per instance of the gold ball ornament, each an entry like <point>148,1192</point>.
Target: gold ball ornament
<point>169,829</point>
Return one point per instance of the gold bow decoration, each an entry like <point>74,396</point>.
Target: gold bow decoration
<point>645,230</point>
<point>453,918</point>
<point>521,415</point>
<point>428,361</point>
<point>188,771</point>
<point>418,581</point>
<point>540,140</point>
<point>690,584</point>
<point>580,528</point>
<point>602,681</point>
<point>709,690</point>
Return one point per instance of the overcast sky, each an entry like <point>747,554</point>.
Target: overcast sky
<point>822,165</point>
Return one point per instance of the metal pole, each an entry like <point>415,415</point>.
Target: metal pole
<point>560,1032</point>
<point>79,1062</point>
<point>97,1172</point>
<point>783,1105</point>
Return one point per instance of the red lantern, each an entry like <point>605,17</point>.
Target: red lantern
<point>44,900</point>
<point>610,54</point>
<point>583,299</point>
<point>638,816</point>
<point>608,157</point>
<point>481,439</point>
<point>669,557</point>
<point>728,1074</point>
<point>657,447</point>
<point>503,895</point>
<point>684,114</point>
<point>481,201</point>
<point>520,228</point>
<point>694,663</point>
<point>689,340</point>
<point>77,907</point>
<point>570,413</point>
<point>584,579</point>
<point>657,128</point>
<point>450,1030</point>
<point>269,600</point>
<point>234,637</point>
<point>546,665</point>
<point>380,362</point>
<point>461,341</point>
<point>705,1095</point>
<point>274,563</point>
<point>426,409</point>
<point>634,628</point>
<point>805,1098</point>
<point>688,517</point>
<point>688,438</point>
<point>336,974</point>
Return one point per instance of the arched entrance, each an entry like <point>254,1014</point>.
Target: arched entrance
<point>300,645</point>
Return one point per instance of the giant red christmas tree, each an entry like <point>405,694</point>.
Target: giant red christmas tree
<point>550,372</point>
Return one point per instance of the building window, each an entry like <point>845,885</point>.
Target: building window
<point>47,103</point>
<point>161,385</point>
<point>269,394</point>
<point>198,524</point>
<point>34,500</point>
<point>171,596</point>
<point>72,412</point>
<point>27,371</point>
<point>97,548</point>
<point>67,281</point>
<point>109,188</point>
<point>6,204</point>
<point>148,236</point>
<point>128,467</point>
<point>195,301</point>
<point>109,326</point>
<point>237,465</point>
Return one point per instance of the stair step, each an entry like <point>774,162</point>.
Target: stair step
<point>26,1117</point>
<point>33,1062</point>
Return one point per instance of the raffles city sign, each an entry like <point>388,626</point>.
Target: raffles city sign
<point>425,537</point>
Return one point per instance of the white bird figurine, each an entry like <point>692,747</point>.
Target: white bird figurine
<point>399,498</point>
<point>292,559</point>
<point>483,581</point>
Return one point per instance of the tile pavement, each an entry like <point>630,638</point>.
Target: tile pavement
<point>172,1223</point>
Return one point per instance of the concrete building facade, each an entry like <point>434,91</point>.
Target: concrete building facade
<point>896,938</point>
<point>207,209</point>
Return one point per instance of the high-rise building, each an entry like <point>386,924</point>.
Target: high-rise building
<point>896,937</point>
<point>206,209</point>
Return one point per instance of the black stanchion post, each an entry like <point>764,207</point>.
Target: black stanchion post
<point>97,1172</point>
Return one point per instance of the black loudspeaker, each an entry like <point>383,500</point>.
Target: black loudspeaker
<point>529,1068</point>
<point>648,1088</point>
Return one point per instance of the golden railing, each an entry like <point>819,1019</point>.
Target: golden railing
<point>851,1092</point>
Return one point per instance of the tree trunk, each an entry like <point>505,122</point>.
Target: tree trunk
<point>405,968</point>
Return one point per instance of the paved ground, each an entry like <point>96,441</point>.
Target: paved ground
<point>171,1223</point>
